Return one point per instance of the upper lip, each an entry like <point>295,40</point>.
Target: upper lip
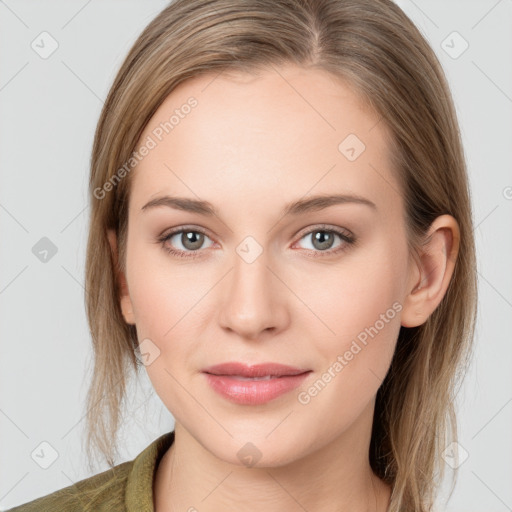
<point>257,370</point>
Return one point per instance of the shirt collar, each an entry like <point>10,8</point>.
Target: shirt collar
<point>139,485</point>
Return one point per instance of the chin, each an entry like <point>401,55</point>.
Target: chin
<point>256,449</point>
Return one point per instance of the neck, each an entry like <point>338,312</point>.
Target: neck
<point>336,477</point>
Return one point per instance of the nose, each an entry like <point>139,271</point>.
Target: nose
<point>253,299</point>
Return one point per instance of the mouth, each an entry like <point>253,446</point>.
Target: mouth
<point>254,385</point>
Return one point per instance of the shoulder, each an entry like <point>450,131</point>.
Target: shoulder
<point>101,492</point>
<point>127,487</point>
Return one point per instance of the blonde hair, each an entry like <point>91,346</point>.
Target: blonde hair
<point>373,46</point>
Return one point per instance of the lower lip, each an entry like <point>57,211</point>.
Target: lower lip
<point>253,392</point>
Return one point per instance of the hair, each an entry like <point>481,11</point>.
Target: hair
<point>375,48</point>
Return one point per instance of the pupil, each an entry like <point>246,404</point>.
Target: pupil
<point>189,239</point>
<point>324,238</point>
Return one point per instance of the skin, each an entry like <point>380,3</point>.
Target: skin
<point>252,145</point>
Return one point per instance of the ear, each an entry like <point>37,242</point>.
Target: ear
<point>433,270</point>
<point>125,301</point>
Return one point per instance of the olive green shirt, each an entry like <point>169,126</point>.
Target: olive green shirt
<point>127,487</point>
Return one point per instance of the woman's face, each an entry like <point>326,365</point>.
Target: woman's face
<point>318,287</point>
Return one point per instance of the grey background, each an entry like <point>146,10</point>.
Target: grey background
<point>49,109</point>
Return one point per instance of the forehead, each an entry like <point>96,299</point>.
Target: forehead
<point>282,131</point>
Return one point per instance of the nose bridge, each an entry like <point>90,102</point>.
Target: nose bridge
<point>250,305</point>
<point>250,269</point>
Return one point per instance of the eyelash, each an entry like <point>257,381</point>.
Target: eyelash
<point>349,240</point>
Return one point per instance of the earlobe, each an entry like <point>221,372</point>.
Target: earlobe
<point>124,299</point>
<point>435,266</point>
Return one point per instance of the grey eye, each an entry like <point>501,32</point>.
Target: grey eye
<point>321,239</point>
<point>190,240</point>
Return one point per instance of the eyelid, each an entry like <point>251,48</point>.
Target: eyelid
<point>324,227</point>
<point>180,229</point>
<point>348,240</point>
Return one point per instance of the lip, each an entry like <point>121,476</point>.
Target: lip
<point>256,370</point>
<point>227,379</point>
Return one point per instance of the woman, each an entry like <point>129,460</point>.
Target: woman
<point>281,235</point>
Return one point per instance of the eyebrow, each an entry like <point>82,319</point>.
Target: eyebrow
<point>311,204</point>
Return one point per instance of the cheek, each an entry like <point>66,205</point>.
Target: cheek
<point>361,304</point>
<point>351,296</point>
<point>163,299</point>
<point>369,321</point>
<point>364,313</point>
<point>161,292</point>
<point>166,298</point>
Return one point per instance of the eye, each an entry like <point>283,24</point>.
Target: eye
<point>322,240</point>
<point>190,240</point>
